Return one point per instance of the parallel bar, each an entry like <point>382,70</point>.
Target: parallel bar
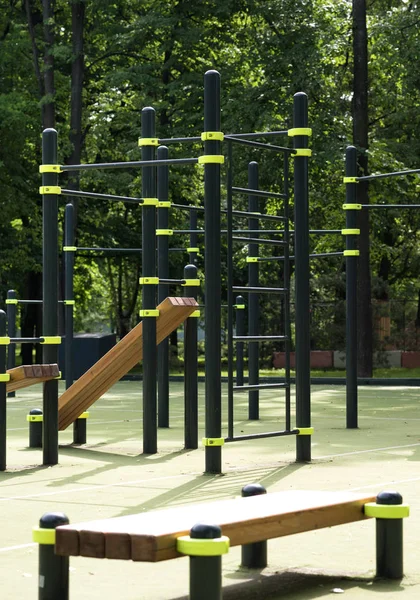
<point>136,163</point>
<point>235,213</point>
<point>258,338</point>
<point>390,205</point>
<point>97,196</point>
<point>286,298</point>
<point>256,134</point>
<point>179,140</point>
<point>259,240</point>
<point>256,192</point>
<point>259,290</point>
<point>97,249</point>
<point>263,146</point>
<point>163,272</point>
<point>260,436</point>
<point>384,175</point>
<point>260,386</point>
<point>50,296</point>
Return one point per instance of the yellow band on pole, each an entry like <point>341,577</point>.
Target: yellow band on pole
<point>148,142</point>
<point>34,418</point>
<point>149,202</point>
<point>149,280</point>
<point>213,441</point>
<point>352,207</point>
<point>51,339</point>
<point>252,259</point>
<point>4,377</point>
<point>164,204</point>
<point>350,232</point>
<point>12,301</point>
<point>191,282</point>
<point>208,159</point>
<point>350,180</point>
<point>49,189</point>
<point>305,430</point>
<point>211,136</point>
<point>149,312</point>
<point>299,131</point>
<point>45,537</point>
<point>351,253</point>
<point>164,232</point>
<point>302,152</point>
<point>50,169</point>
<point>386,511</point>
<point>196,547</point>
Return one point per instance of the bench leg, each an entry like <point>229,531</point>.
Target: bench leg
<point>389,538</point>
<point>254,556</point>
<point>205,546</point>
<point>53,580</point>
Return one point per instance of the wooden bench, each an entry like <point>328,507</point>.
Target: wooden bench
<point>246,521</point>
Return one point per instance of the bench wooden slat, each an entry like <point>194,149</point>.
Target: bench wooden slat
<point>26,375</point>
<point>119,360</point>
<point>152,536</point>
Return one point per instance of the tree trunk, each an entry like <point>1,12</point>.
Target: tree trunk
<point>360,140</point>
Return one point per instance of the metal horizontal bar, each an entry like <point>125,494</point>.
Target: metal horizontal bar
<point>179,140</point>
<point>258,338</point>
<point>186,231</point>
<point>246,214</point>
<point>260,386</point>
<point>177,250</point>
<point>259,241</point>
<point>262,145</point>
<point>384,175</point>
<point>390,205</point>
<point>259,290</point>
<point>130,164</point>
<point>26,340</point>
<point>269,258</point>
<point>29,301</point>
<point>188,207</point>
<point>94,195</point>
<point>171,281</point>
<point>259,436</point>
<point>258,134</point>
<point>94,249</point>
<point>262,193</point>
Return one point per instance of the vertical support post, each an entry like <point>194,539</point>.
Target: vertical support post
<point>240,330</point>
<point>3,394</point>
<point>253,300</point>
<point>303,372</point>
<point>191,364</point>
<point>53,580</point>
<point>163,273</point>
<point>230,307</point>
<point>212,197</point>
<point>351,293</point>
<point>389,539</point>
<point>50,293</point>
<point>11,310</point>
<point>254,556</point>
<point>149,290</point>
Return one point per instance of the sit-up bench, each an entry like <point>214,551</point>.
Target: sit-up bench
<point>205,531</point>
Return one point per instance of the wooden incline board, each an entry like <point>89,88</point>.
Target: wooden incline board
<point>151,536</point>
<point>119,360</point>
<point>26,375</point>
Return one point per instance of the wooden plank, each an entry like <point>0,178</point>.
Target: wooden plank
<point>152,536</point>
<point>119,360</point>
<point>26,375</point>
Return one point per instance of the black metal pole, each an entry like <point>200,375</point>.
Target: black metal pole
<point>163,273</point>
<point>212,197</point>
<point>253,300</point>
<point>351,292</point>
<point>230,307</point>
<point>240,330</point>
<point>191,365</point>
<point>149,291</point>
<point>3,393</point>
<point>53,580</point>
<point>254,556</point>
<point>50,293</point>
<point>11,310</point>
<point>303,372</point>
